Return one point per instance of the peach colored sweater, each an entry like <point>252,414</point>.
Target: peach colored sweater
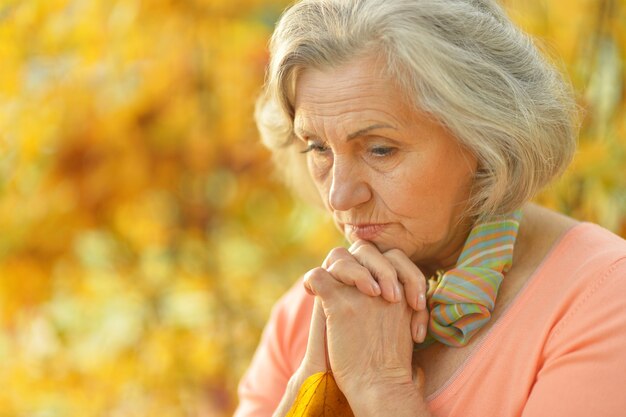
<point>559,350</point>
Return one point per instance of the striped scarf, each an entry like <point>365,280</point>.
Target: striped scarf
<point>461,300</point>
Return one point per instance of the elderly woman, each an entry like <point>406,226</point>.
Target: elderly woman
<point>424,127</point>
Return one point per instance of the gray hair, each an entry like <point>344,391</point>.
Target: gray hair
<point>463,61</point>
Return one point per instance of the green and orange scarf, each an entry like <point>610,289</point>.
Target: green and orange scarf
<point>462,299</point>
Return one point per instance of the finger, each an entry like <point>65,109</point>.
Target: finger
<point>352,273</point>
<point>411,278</point>
<point>315,356</point>
<point>335,255</point>
<point>305,284</point>
<point>419,325</point>
<point>364,282</point>
<point>320,282</point>
<point>381,269</point>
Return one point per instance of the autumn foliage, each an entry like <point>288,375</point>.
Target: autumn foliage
<point>143,237</point>
<point>319,396</point>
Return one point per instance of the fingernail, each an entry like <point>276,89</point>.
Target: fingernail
<point>421,301</point>
<point>396,293</point>
<point>421,333</point>
<point>376,288</point>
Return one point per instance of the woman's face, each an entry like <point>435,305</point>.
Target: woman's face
<point>386,173</point>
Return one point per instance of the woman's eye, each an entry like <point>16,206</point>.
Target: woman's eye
<point>382,151</point>
<point>316,147</point>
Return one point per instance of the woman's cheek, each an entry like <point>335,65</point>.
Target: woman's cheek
<point>317,175</point>
<point>406,194</point>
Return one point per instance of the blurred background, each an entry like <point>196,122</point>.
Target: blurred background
<point>143,235</point>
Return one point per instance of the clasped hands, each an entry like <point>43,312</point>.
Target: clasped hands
<point>369,309</point>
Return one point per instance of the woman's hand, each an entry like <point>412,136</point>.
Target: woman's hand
<point>367,340</point>
<point>369,346</point>
<point>374,273</point>
<point>314,361</point>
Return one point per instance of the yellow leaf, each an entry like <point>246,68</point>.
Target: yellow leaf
<point>320,396</point>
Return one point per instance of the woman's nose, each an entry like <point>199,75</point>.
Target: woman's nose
<point>348,188</point>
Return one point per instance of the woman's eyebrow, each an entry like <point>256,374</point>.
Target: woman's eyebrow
<point>366,130</point>
<point>303,133</point>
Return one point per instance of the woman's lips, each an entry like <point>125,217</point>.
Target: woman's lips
<point>364,231</point>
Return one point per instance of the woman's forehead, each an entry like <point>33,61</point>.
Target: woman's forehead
<point>363,74</point>
<point>354,90</point>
